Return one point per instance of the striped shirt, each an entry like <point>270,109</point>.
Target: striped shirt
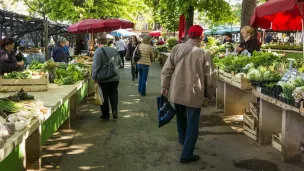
<point>146,54</point>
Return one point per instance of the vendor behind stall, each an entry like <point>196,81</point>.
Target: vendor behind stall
<point>250,42</point>
<point>8,61</point>
<point>59,54</point>
<point>228,38</point>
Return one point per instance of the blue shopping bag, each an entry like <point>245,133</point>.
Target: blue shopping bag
<point>165,111</point>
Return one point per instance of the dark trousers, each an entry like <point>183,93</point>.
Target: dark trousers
<point>134,70</point>
<point>188,127</point>
<point>122,55</point>
<point>109,91</point>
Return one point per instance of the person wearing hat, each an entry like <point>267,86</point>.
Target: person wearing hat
<point>59,53</point>
<point>187,74</point>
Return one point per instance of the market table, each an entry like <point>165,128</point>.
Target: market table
<point>22,150</point>
<point>274,116</point>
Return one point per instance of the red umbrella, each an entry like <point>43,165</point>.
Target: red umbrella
<point>155,33</point>
<point>85,26</point>
<point>279,15</point>
<point>113,24</point>
<point>182,26</point>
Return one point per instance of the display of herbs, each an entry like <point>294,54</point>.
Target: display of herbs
<point>10,106</point>
<point>35,65</point>
<point>70,75</point>
<point>18,75</point>
<point>50,67</point>
<point>21,95</point>
<point>171,42</point>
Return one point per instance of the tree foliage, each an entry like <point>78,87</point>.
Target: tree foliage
<point>216,11</point>
<point>75,10</point>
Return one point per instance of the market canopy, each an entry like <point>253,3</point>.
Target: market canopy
<point>85,26</point>
<point>123,33</point>
<point>279,15</point>
<point>113,24</point>
<point>99,25</point>
<point>221,30</point>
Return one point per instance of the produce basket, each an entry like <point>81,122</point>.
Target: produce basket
<point>30,85</point>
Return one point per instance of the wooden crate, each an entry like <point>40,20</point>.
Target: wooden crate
<point>277,142</point>
<point>241,82</point>
<point>224,76</point>
<point>250,125</point>
<point>29,85</point>
<point>255,109</point>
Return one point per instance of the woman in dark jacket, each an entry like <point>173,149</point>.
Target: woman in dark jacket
<point>130,50</point>
<point>250,42</point>
<point>8,61</point>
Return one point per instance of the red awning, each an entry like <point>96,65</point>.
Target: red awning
<point>155,33</point>
<point>182,26</point>
<point>278,15</point>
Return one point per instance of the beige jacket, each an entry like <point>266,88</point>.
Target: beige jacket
<point>188,80</point>
<point>146,54</point>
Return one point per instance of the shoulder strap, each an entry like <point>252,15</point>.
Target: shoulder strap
<point>180,59</point>
<point>106,56</point>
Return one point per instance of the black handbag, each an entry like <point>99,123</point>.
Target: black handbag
<point>108,70</point>
<point>136,55</point>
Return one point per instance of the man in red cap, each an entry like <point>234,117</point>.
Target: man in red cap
<point>187,73</point>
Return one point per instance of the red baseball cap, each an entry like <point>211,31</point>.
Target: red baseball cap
<point>195,31</point>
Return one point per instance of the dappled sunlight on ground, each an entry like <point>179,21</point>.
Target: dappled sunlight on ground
<point>90,167</point>
<point>77,149</point>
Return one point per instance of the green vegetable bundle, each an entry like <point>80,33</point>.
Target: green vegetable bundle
<point>9,106</point>
<point>35,65</point>
<point>18,75</point>
<point>70,75</point>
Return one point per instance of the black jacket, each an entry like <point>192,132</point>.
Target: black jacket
<point>8,62</point>
<point>251,45</point>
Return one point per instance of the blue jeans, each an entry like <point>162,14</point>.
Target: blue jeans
<point>188,127</point>
<point>143,71</point>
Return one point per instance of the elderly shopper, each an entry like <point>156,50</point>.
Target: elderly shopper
<point>102,57</point>
<point>144,63</point>
<point>8,60</point>
<point>250,42</point>
<point>59,53</point>
<point>187,74</point>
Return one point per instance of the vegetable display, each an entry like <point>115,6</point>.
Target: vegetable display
<point>21,95</point>
<point>70,75</point>
<point>17,75</point>
<point>50,67</point>
<point>10,106</point>
<point>35,65</point>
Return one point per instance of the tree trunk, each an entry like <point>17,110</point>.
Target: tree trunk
<point>247,11</point>
<point>189,18</point>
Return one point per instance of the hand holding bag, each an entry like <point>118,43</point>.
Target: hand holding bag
<point>165,111</point>
<point>108,70</point>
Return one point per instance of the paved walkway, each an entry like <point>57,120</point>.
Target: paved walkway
<point>135,143</point>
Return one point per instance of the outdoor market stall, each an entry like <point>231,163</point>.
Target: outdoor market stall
<point>59,98</point>
<point>269,118</point>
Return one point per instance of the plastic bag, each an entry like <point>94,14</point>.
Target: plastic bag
<point>96,98</point>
